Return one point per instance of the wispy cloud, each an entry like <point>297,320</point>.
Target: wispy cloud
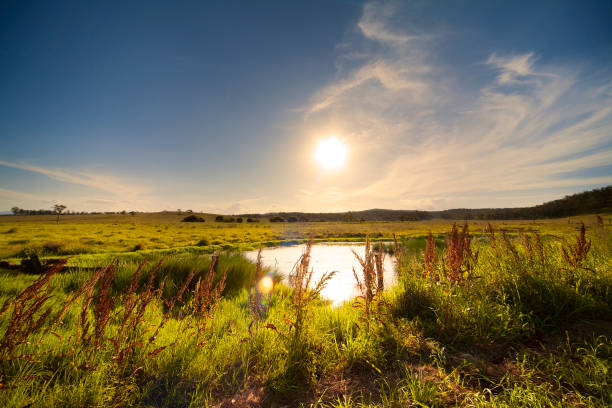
<point>373,24</point>
<point>96,181</point>
<point>241,206</point>
<point>513,67</point>
<point>431,145</point>
<point>109,194</point>
<point>374,75</point>
<point>113,195</point>
<point>8,194</point>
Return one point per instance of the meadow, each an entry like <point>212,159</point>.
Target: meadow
<point>80,236</point>
<point>503,314</point>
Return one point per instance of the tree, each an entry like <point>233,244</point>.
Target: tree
<point>276,218</point>
<point>58,208</point>
<point>193,218</point>
<point>16,210</point>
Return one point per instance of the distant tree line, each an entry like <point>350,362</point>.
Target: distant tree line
<point>594,201</point>
<point>220,218</point>
<point>57,209</point>
<point>23,211</point>
<point>598,200</point>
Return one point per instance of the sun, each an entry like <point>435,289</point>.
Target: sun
<point>330,153</point>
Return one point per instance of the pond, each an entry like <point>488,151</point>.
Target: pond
<point>325,258</point>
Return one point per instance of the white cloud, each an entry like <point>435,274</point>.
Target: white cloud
<point>376,74</point>
<point>97,181</point>
<point>513,67</point>
<point>420,142</point>
<point>243,206</point>
<point>373,24</point>
<point>10,198</point>
<point>110,193</point>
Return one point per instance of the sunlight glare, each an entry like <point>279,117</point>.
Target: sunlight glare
<point>265,285</point>
<point>330,153</point>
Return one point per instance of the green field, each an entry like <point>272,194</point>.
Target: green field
<point>517,316</point>
<point>155,233</point>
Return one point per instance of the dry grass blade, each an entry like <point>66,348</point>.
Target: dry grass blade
<point>103,305</point>
<point>258,266</point>
<point>379,258</point>
<point>206,298</point>
<point>367,283</point>
<point>371,282</point>
<point>459,259</point>
<point>509,247</point>
<point>258,301</point>
<point>539,247</point>
<point>399,254</point>
<point>315,292</point>
<point>303,294</point>
<point>431,256</point>
<point>26,317</point>
<point>575,254</point>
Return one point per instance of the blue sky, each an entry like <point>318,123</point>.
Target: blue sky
<point>218,106</point>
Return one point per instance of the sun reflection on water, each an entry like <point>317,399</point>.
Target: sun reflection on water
<point>324,258</point>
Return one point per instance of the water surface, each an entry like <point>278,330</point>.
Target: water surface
<point>325,258</point>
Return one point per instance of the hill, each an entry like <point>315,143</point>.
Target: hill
<point>589,202</point>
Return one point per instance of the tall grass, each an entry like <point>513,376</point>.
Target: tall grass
<point>305,293</point>
<point>370,283</point>
<point>92,344</point>
<point>494,319</point>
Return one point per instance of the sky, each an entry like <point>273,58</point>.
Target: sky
<point>219,106</point>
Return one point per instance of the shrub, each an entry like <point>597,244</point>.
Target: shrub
<point>277,219</point>
<point>203,242</point>
<point>193,218</point>
<point>18,242</point>
<point>219,218</point>
<point>52,247</point>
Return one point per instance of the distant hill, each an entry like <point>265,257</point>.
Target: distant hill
<point>594,201</point>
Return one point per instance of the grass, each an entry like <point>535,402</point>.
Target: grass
<point>165,233</point>
<point>511,315</point>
